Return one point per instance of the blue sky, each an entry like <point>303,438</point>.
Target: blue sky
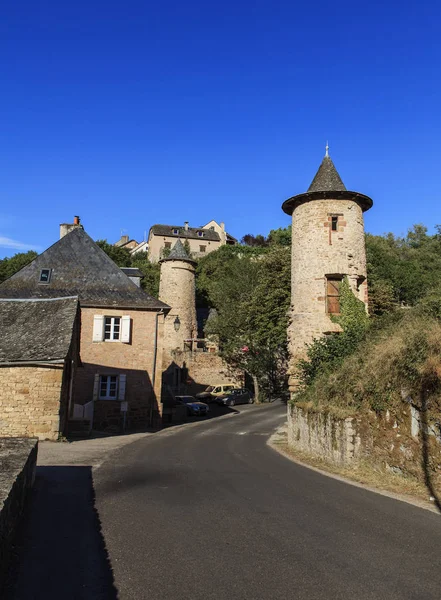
<point>135,113</point>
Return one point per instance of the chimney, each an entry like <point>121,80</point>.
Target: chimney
<point>66,228</point>
<point>222,226</point>
<point>186,225</point>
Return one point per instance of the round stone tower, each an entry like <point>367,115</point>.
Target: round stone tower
<point>327,245</point>
<point>177,289</point>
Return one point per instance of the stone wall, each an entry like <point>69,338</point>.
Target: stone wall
<point>401,443</point>
<point>18,458</point>
<point>31,399</point>
<point>323,435</point>
<point>135,360</point>
<point>318,252</point>
<point>202,369</point>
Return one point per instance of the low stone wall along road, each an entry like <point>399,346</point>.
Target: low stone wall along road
<point>210,511</point>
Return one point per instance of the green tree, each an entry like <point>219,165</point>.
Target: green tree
<point>280,237</point>
<point>9,266</point>
<point>120,256</point>
<point>251,296</point>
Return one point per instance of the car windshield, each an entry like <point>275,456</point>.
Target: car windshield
<point>186,399</point>
<point>210,388</point>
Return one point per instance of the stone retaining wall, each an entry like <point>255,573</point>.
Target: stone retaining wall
<point>18,458</point>
<point>323,435</point>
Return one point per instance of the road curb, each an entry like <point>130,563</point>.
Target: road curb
<point>272,443</point>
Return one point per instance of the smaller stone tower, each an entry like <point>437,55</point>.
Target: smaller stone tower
<point>327,245</point>
<point>177,289</point>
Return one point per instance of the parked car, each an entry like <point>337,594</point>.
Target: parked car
<point>215,391</point>
<point>194,407</point>
<point>236,396</point>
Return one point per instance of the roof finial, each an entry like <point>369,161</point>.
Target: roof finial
<point>327,149</point>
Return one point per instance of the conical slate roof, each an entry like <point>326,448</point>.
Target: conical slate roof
<point>178,253</point>
<point>327,178</point>
<point>327,183</point>
<point>78,267</point>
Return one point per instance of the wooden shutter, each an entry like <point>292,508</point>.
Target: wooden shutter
<point>96,386</point>
<point>333,296</point>
<point>122,387</point>
<point>125,329</point>
<point>98,328</point>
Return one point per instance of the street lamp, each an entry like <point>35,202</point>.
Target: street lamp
<point>177,324</point>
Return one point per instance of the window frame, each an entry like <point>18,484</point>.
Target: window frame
<point>112,328</point>
<point>175,231</point>
<point>49,271</point>
<point>109,378</point>
<point>204,246</point>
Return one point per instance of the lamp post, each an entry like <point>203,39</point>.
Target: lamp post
<point>177,324</point>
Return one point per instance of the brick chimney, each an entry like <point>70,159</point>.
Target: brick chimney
<point>66,228</point>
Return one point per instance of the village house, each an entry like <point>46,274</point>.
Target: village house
<point>201,240</point>
<point>39,355</point>
<point>118,384</point>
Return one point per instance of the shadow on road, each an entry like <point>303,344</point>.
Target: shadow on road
<point>59,550</point>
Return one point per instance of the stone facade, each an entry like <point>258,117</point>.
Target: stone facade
<point>137,360</point>
<point>177,289</point>
<point>33,401</point>
<point>18,459</point>
<point>327,245</point>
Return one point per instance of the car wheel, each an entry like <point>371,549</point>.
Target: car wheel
<point>250,401</point>
<point>232,402</point>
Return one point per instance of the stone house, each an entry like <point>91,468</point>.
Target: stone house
<point>118,384</point>
<point>327,245</point>
<point>39,355</point>
<point>201,240</point>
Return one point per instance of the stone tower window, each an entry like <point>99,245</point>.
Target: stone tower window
<point>333,295</point>
<point>334,223</point>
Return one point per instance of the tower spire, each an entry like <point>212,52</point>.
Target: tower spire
<point>327,149</point>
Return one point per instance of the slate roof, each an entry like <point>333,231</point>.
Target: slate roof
<point>36,330</point>
<point>178,252</point>
<point>327,178</point>
<point>190,233</point>
<point>79,268</point>
<point>327,183</point>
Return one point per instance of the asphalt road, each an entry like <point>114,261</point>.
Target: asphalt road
<point>211,512</point>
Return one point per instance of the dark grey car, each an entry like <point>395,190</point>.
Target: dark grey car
<point>242,396</point>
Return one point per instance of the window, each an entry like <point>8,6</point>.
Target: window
<point>333,295</point>
<point>334,223</point>
<point>108,387</point>
<point>176,231</point>
<point>45,275</point>
<point>212,228</point>
<point>202,248</point>
<point>112,329</point>
<point>201,234</point>
<point>167,244</point>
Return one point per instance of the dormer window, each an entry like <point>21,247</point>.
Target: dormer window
<point>176,231</point>
<point>200,233</point>
<point>45,275</point>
